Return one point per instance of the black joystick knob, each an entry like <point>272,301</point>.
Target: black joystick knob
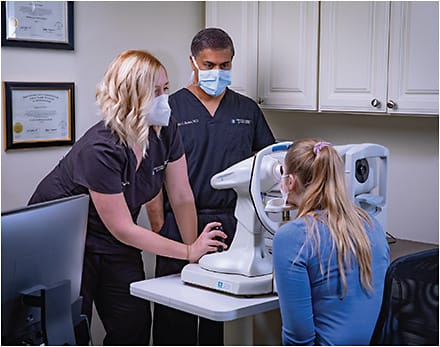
<point>218,238</point>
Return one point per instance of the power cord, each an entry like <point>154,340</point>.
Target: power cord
<point>390,238</point>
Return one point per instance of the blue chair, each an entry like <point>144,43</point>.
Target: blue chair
<point>409,313</point>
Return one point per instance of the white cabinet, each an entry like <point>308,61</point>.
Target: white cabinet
<point>374,56</point>
<point>276,50</point>
<point>240,20</point>
<point>353,55</point>
<point>379,57</point>
<point>414,57</point>
<point>288,54</point>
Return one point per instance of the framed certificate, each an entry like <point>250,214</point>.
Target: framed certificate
<point>37,24</point>
<point>39,114</point>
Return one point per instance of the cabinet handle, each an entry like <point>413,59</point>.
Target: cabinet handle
<point>260,100</point>
<point>391,104</point>
<point>375,103</point>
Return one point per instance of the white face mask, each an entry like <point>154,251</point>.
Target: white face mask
<point>160,111</point>
<point>283,188</point>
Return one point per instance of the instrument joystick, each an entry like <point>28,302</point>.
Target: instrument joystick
<point>218,238</point>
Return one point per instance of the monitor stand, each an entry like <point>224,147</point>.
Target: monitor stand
<point>56,312</point>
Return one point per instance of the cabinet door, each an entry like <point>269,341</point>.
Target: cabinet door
<point>353,56</point>
<point>240,21</point>
<point>414,57</point>
<point>287,54</point>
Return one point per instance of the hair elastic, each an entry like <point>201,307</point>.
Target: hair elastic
<point>320,145</point>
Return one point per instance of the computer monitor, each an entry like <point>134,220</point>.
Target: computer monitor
<point>42,250</point>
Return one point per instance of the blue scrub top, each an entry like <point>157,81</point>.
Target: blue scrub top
<point>213,144</point>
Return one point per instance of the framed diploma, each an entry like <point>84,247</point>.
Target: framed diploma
<point>39,114</point>
<point>37,24</point>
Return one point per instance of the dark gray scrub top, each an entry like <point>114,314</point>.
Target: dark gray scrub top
<point>98,161</point>
<point>212,144</point>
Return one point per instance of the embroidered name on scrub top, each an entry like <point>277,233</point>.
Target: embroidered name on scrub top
<point>241,121</point>
<point>160,168</point>
<point>188,122</point>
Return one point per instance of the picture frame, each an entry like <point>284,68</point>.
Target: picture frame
<point>37,24</point>
<point>39,114</point>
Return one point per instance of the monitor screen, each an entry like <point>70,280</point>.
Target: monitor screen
<point>41,245</point>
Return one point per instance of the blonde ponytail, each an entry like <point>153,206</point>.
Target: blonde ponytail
<point>320,170</point>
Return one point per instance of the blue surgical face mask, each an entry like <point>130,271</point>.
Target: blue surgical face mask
<point>214,81</point>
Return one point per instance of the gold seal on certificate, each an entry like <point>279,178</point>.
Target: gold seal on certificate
<point>18,128</point>
<point>39,114</point>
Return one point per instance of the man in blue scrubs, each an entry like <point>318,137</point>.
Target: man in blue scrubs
<point>219,128</point>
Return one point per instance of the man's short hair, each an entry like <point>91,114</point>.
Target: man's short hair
<point>212,38</point>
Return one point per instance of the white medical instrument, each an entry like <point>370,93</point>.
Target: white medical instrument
<point>246,267</point>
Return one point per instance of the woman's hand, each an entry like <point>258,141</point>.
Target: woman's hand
<point>206,242</point>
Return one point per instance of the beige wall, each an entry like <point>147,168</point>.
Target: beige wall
<point>103,29</point>
<point>413,207</point>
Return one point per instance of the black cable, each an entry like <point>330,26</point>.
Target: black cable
<point>390,238</point>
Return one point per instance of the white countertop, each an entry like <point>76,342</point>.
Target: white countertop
<point>171,291</point>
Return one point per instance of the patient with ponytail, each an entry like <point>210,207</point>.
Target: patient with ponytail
<point>330,261</point>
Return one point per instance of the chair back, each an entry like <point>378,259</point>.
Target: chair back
<point>409,312</point>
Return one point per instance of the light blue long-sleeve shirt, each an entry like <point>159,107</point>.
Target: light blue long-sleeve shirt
<point>312,308</point>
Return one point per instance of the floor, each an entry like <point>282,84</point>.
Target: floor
<point>399,247</point>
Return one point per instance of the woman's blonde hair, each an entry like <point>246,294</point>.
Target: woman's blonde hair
<point>320,171</point>
<point>125,93</point>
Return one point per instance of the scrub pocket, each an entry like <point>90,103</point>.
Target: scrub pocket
<point>240,135</point>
